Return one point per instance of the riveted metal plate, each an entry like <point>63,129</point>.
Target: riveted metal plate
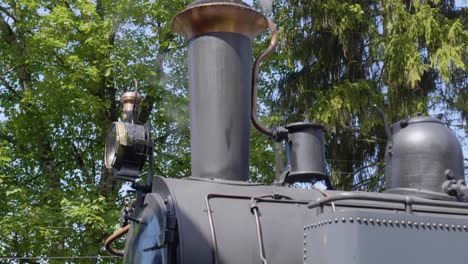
<point>385,238</point>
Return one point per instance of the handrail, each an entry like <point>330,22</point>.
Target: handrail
<point>408,201</point>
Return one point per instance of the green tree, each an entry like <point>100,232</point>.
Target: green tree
<point>64,65</point>
<point>338,58</point>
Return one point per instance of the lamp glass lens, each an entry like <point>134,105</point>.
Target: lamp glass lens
<point>111,146</point>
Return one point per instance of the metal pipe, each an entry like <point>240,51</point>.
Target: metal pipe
<point>384,119</point>
<point>116,235</point>
<point>255,72</point>
<point>259,235</point>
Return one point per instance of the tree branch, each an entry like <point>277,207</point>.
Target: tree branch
<point>10,88</point>
<point>8,138</point>
<point>79,159</point>
<point>6,32</point>
<point>7,13</point>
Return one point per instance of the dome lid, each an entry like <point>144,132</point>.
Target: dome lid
<point>414,120</point>
<point>420,119</point>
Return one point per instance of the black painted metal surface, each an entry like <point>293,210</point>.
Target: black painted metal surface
<point>233,222</point>
<point>202,221</point>
<point>423,148</point>
<point>146,235</point>
<point>357,237</point>
<point>306,152</point>
<point>219,69</point>
<point>127,147</point>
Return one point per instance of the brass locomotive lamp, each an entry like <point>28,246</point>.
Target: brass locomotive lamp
<point>127,143</point>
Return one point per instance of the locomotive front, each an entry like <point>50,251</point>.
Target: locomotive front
<point>218,216</point>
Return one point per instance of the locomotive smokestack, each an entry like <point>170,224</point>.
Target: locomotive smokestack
<point>220,35</point>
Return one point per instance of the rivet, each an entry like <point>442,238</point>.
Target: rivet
<point>415,223</point>
<point>336,220</point>
<point>446,226</point>
<point>384,221</point>
<point>377,221</point>
<point>441,225</point>
<point>351,219</point>
<point>453,226</point>
<point>371,220</point>
<point>464,226</point>
<point>458,226</point>
<point>329,221</point>
<point>422,223</point>
<point>364,220</point>
<point>434,224</point>
<point>390,222</point>
<point>358,219</point>
<point>409,223</point>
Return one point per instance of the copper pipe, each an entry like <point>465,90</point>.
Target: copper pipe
<point>255,72</point>
<point>117,234</point>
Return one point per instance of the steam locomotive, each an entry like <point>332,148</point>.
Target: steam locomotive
<point>218,216</point>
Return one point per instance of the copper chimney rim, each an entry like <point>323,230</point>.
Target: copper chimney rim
<point>219,17</point>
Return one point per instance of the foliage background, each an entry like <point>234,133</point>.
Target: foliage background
<point>64,64</point>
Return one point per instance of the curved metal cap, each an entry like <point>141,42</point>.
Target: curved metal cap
<point>219,17</point>
<point>396,127</point>
<point>128,99</point>
<point>419,119</point>
<point>304,125</point>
